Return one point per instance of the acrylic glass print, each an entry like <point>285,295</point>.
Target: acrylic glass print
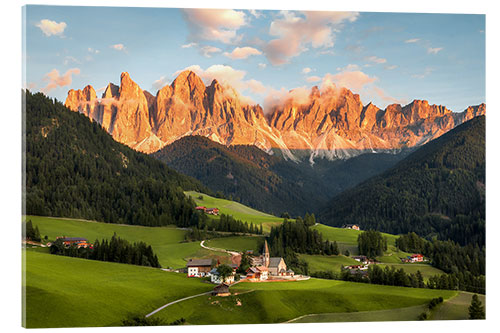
<point>220,166</point>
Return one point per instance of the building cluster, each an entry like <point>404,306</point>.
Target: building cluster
<point>413,258</point>
<point>263,267</point>
<point>209,211</point>
<point>75,241</point>
<point>351,226</point>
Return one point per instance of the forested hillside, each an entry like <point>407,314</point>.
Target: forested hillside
<point>266,182</point>
<point>438,190</point>
<point>75,169</point>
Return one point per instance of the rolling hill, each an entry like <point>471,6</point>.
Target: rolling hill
<point>438,190</point>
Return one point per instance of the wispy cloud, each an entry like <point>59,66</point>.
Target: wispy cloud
<point>118,47</point>
<point>54,79</point>
<point>262,65</point>
<point>160,83</point>
<point>189,45</point>
<point>307,70</point>
<point>207,50</point>
<point>427,71</point>
<point>391,67</point>
<point>434,50</point>
<point>242,52</point>
<point>69,59</point>
<point>376,60</point>
<point>313,78</point>
<point>412,40</point>
<point>51,28</point>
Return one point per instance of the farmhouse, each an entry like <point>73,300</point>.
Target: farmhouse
<point>259,273</point>
<point>202,208</point>
<point>76,241</point>
<point>221,290</point>
<point>351,226</point>
<point>199,267</point>
<point>361,259</point>
<point>212,211</point>
<point>360,267</point>
<point>216,278</point>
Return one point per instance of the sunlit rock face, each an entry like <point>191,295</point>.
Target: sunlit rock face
<point>327,123</point>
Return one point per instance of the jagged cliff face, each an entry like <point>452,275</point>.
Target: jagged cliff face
<point>331,123</point>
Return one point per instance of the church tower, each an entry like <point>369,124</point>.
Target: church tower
<point>266,254</point>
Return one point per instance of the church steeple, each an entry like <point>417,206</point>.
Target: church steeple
<point>266,254</point>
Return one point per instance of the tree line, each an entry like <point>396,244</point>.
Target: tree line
<point>372,244</point>
<point>114,250</point>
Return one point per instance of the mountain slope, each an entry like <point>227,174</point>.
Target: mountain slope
<point>75,169</point>
<point>266,182</point>
<point>437,190</point>
<point>330,123</point>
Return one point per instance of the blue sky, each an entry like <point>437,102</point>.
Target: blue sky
<point>385,57</point>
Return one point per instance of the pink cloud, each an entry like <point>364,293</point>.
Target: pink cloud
<point>55,80</point>
<point>313,78</point>
<point>353,80</point>
<point>242,52</point>
<point>434,50</point>
<point>295,33</point>
<point>118,47</point>
<point>214,24</point>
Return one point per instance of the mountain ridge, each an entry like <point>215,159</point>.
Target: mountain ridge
<point>329,123</point>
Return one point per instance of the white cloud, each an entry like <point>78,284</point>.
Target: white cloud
<point>160,83</point>
<point>313,78</point>
<point>94,51</point>
<point>214,24</point>
<point>434,50</point>
<point>185,46</point>
<point>69,59</point>
<point>54,79</point>
<point>353,80</point>
<point>207,50</point>
<point>51,28</point>
<point>295,33</point>
<point>391,67</point>
<point>262,65</point>
<point>227,75</point>
<point>306,70</point>
<point>412,40</point>
<point>376,60</point>
<point>348,68</point>
<point>255,13</point>
<point>427,71</point>
<point>118,47</point>
<point>242,52</point>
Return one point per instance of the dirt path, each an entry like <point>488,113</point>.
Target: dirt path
<point>233,253</point>
<point>176,301</point>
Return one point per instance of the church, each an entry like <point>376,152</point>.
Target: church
<point>276,266</point>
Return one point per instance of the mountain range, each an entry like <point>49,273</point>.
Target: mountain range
<point>330,122</point>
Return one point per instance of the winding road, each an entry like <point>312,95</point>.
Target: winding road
<point>176,301</point>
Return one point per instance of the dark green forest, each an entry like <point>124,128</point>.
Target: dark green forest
<point>268,182</point>
<point>437,191</point>
<point>75,169</point>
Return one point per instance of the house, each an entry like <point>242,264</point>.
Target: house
<point>361,259</point>
<point>199,267</point>
<point>351,226</point>
<point>277,266</point>
<point>259,273</point>
<point>413,258</point>
<point>216,278</point>
<point>290,273</point>
<point>202,208</point>
<point>360,267</point>
<point>221,290</point>
<point>76,241</point>
<point>212,211</point>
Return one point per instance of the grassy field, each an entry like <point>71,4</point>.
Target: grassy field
<point>456,308</point>
<point>70,292</point>
<point>327,263</point>
<point>276,302</point>
<point>403,314</point>
<point>426,270</point>
<point>167,242</point>
<point>237,210</point>
<point>238,243</point>
<point>347,236</point>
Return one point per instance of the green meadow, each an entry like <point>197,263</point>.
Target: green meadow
<point>237,243</point>
<point>70,292</point>
<point>235,209</point>
<point>327,263</point>
<point>167,242</point>
<point>426,270</point>
<point>347,236</point>
<point>277,302</point>
<point>456,308</point>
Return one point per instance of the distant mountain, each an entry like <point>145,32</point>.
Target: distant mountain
<point>267,182</point>
<point>74,168</point>
<point>438,190</point>
<point>331,123</point>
